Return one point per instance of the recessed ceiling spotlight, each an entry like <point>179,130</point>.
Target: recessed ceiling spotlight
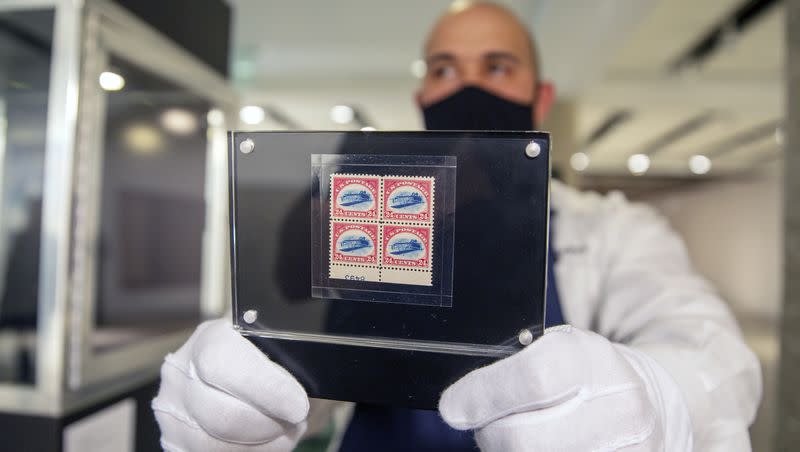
<point>638,164</point>
<point>779,136</point>
<point>419,68</point>
<point>179,121</point>
<point>579,161</point>
<point>252,115</point>
<point>342,114</point>
<point>699,164</point>
<point>215,117</point>
<point>111,81</point>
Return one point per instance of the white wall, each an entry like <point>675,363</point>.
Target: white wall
<point>733,229</point>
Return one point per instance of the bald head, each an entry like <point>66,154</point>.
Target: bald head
<point>485,45</point>
<point>473,19</point>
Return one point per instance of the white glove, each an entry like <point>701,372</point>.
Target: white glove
<point>570,390</point>
<point>220,393</point>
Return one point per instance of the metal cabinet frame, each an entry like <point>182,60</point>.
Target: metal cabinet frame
<point>69,374</point>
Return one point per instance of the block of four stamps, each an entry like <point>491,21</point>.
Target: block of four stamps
<point>381,228</point>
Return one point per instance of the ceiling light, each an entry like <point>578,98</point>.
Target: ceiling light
<point>699,164</point>
<point>579,161</point>
<point>215,117</point>
<point>638,164</point>
<point>142,138</point>
<point>179,121</point>
<point>111,81</point>
<point>252,115</point>
<point>779,135</point>
<point>342,114</point>
<point>459,5</point>
<point>419,68</point>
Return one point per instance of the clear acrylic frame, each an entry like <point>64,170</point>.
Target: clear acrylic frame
<point>489,244</point>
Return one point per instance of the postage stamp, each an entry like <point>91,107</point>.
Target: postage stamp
<point>355,196</point>
<point>408,199</point>
<point>406,246</point>
<point>354,243</point>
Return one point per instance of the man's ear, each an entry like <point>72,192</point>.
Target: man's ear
<point>545,97</point>
<point>418,98</point>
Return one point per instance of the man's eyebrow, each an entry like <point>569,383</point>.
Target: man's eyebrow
<point>501,55</point>
<point>442,56</point>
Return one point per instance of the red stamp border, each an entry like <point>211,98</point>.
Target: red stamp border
<point>339,181</point>
<point>423,185</point>
<point>423,232</point>
<point>338,227</point>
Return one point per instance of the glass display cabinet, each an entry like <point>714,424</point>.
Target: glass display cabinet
<point>113,202</point>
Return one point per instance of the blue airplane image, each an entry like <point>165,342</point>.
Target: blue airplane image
<point>406,199</point>
<point>348,245</point>
<point>352,198</point>
<point>405,246</point>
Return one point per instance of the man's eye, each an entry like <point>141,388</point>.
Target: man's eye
<point>499,69</point>
<point>444,72</point>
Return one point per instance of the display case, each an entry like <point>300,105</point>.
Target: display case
<point>113,195</point>
<point>25,67</point>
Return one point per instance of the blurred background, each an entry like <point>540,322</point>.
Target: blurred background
<point>113,175</point>
<point>676,102</point>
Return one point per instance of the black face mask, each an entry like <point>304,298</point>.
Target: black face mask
<point>473,108</point>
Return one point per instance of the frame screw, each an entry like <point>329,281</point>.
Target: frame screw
<point>247,146</point>
<point>251,316</point>
<point>525,337</point>
<point>533,150</point>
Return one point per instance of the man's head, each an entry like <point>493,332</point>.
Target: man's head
<point>484,45</point>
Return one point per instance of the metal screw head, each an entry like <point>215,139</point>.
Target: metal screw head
<point>250,316</point>
<point>533,149</point>
<point>247,146</point>
<point>525,337</point>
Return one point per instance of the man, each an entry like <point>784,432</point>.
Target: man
<point>653,360</point>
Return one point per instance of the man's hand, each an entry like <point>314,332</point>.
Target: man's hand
<point>571,390</point>
<point>220,393</point>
